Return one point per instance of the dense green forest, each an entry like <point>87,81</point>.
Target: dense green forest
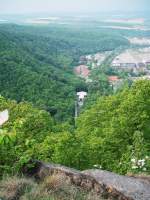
<point>113,134</point>
<point>36,64</point>
<point>38,87</point>
<point>31,69</point>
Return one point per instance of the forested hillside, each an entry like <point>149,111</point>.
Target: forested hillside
<point>36,64</point>
<point>31,69</point>
<point>38,89</point>
<point>112,135</point>
<point>74,100</point>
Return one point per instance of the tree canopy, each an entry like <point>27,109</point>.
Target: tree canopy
<point>113,134</point>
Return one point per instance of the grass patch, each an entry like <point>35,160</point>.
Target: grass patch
<point>55,187</point>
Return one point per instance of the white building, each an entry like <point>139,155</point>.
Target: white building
<point>80,102</point>
<point>81,95</point>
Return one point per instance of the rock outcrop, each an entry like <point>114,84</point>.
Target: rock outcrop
<point>109,185</point>
<point>122,186</point>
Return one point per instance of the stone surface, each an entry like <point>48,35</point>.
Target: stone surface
<point>109,185</point>
<point>145,179</point>
<point>131,188</point>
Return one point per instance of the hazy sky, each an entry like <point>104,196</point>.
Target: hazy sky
<point>30,6</point>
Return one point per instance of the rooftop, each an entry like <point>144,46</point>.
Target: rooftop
<point>113,78</point>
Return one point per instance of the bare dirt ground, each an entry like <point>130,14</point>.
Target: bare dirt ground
<point>134,56</point>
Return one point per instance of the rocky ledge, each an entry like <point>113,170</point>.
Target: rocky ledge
<point>108,184</point>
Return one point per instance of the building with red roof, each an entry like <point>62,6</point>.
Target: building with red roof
<point>83,71</point>
<point>113,78</point>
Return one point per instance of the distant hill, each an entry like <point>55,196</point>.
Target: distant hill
<point>36,64</point>
<point>31,69</point>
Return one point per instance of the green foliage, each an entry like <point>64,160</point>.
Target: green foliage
<point>33,69</point>
<point>26,128</point>
<point>98,87</point>
<point>107,133</point>
<point>113,134</point>
<point>37,64</point>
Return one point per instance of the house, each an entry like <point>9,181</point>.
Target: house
<point>82,60</point>
<point>81,95</point>
<point>115,82</point>
<point>141,64</point>
<point>113,79</point>
<point>83,71</point>
<point>115,64</point>
<point>79,102</point>
<point>89,57</point>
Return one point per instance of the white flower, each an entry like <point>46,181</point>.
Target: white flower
<point>141,162</point>
<point>133,160</point>
<point>97,166</point>
<point>134,167</point>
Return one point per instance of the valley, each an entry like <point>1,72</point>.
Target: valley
<point>74,91</point>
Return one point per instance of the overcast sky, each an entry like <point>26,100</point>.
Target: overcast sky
<point>33,6</point>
